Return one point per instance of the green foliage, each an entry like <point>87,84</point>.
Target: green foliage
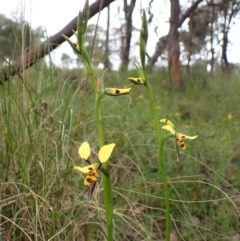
<point>11,37</point>
<point>44,122</point>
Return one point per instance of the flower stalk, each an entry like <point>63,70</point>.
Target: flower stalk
<point>161,140</point>
<point>143,79</point>
<point>99,91</point>
<point>108,196</point>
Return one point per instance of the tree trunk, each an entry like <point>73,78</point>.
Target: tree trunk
<point>163,41</point>
<point>173,46</point>
<point>160,47</point>
<point>212,60</point>
<point>224,60</point>
<point>126,38</point>
<point>106,60</point>
<point>190,44</point>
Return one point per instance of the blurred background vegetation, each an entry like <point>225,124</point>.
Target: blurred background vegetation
<point>47,111</point>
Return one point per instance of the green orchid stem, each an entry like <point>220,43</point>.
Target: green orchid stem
<point>161,140</point>
<point>98,119</point>
<point>104,170</point>
<point>107,185</point>
<point>108,199</point>
<point>92,80</point>
<point>87,63</point>
<point>160,133</point>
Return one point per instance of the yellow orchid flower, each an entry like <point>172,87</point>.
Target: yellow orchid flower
<point>92,169</point>
<point>117,92</point>
<point>137,81</point>
<point>178,136</point>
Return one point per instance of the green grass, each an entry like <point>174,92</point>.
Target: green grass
<point>44,120</point>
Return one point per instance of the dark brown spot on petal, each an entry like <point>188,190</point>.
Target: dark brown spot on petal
<point>90,180</point>
<point>117,92</point>
<point>183,137</point>
<point>92,174</point>
<point>181,144</point>
<point>138,80</point>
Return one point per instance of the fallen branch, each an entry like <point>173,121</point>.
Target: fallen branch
<point>43,49</point>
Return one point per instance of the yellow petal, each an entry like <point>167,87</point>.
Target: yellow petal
<point>84,150</point>
<point>182,136</point>
<point>137,81</point>
<point>87,169</point>
<point>105,152</point>
<point>169,128</point>
<point>117,92</point>
<point>167,122</point>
